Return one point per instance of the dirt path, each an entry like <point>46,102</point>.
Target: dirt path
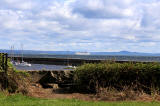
<point>36,90</point>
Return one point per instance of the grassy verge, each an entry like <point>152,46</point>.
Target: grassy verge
<point>20,100</point>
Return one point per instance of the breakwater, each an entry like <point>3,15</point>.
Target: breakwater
<point>68,61</point>
<point>56,61</point>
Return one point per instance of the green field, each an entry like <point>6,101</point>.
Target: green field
<point>20,100</point>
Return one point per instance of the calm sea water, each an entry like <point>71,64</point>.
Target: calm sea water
<point>87,57</point>
<point>100,57</point>
<point>39,67</point>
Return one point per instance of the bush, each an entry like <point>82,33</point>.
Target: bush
<point>140,76</point>
<point>13,80</point>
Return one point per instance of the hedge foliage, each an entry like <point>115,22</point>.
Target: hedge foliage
<point>91,77</point>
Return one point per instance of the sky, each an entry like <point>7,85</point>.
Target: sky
<point>81,25</point>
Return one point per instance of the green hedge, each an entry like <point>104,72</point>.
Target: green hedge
<point>139,76</point>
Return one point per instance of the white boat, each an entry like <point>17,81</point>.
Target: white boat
<point>71,66</point>
<point>22,63</point>
<point>82,53</point>
<point>18,63</point>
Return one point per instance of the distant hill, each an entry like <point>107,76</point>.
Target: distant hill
<point>38,52</point>
<point>121,53</point>
<point>125,53</point>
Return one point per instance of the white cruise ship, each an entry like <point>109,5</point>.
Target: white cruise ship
<point>82,53</point>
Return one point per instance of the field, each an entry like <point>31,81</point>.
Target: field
<point>20,100</point>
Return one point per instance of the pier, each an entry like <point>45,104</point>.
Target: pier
<point>72,61</point>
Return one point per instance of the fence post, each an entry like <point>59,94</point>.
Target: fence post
<point>6,63</point>
<point>3,61</point>
<point>0,60</point>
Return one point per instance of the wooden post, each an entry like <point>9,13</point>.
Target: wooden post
<point>3,61</point>
<point>0,60</point>
<point>6,63</point>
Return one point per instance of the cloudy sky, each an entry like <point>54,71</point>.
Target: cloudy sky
<point>81,25</point>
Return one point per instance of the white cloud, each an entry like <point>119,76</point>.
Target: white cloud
<point>105,8</point>
<point>92,25</point>
<point>17,4</point>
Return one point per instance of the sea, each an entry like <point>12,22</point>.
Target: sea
<point>97,57</point>
<point>86,57</point>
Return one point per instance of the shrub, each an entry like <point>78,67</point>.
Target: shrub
<point>91,77</point>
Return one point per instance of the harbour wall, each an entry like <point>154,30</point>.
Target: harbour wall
<point>56,61</point>
<point>63,61</point>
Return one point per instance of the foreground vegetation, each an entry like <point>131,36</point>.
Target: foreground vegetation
<point>136,76</point>
<point>110,80</point>
<point>20,100</point>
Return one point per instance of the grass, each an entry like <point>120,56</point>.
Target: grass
<point>11,68</point>
<point>20,100</point>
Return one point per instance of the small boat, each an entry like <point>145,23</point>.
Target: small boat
<point>18,63</point>
<point>23,64</point>
<point>70,67</point>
